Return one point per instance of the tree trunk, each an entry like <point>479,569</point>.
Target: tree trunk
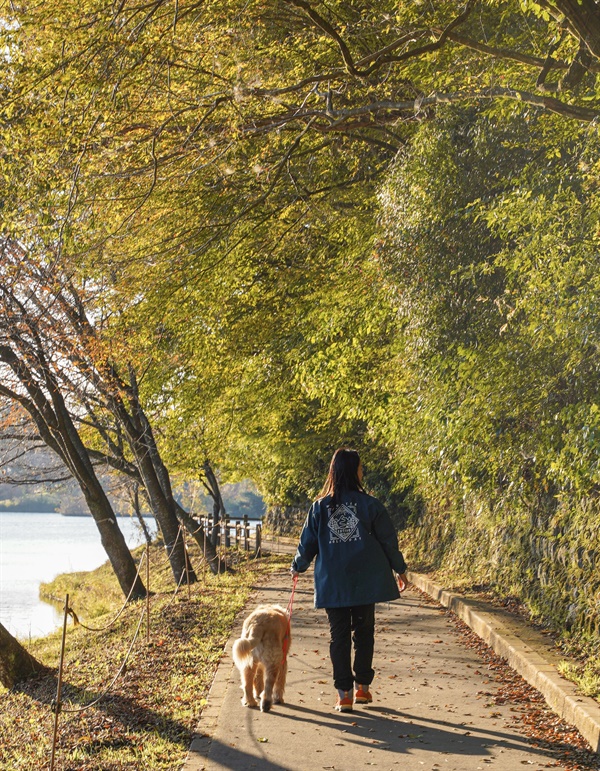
<point>162,475</point>
<point>584,19</point>
<point>166,519</point>
<point>214,491</point>
<point>140,439</point>
<point>198,533</point>
<point>58,432</point>
<point>195,529</point>
<point>16,664</point>
<point>100,507</point>
<point>115,545</point>
<point>135,502</point>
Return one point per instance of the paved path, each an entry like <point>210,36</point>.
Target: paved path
<point>432,705</point>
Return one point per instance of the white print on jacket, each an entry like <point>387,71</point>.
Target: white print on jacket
<point>343,523</point>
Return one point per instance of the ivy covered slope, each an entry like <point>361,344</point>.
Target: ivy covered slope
<point>311,224</point>
<point>491,254</point>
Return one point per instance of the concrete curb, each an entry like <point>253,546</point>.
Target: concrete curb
<point>526,651</point>
<point>200,746</point>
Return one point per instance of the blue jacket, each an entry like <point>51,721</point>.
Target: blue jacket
<point>356,550</point>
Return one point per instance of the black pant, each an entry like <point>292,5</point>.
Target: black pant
<point>352,625</point>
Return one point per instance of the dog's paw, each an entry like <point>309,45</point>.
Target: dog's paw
<point>249,703</point>
<point>278,700</point>
<point>265,705</point>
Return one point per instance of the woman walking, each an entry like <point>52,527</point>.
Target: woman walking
<point>355,545</point>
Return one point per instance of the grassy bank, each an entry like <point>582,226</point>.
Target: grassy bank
<point>147,718</point>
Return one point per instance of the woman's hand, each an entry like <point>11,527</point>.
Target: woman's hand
<point>402,581</point>
<point>294,573</point>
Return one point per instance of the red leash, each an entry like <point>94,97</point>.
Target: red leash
<point>286,639</point>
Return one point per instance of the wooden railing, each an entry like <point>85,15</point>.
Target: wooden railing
<point>243,534</point>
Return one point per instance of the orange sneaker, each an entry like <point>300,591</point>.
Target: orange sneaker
<point>344,703</point>
<point>363,695</point>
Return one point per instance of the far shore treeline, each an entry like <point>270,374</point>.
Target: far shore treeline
<point>239,500</point>
<point>237,235</point>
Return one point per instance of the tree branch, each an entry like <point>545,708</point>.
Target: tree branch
<point>328,29</point>
<point>583,17</point>
<point>378,114</point>
<point>381,57</point>
<point>505,53</point>
<point>442,39</point>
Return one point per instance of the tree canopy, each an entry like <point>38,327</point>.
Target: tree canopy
<point>305,224</point>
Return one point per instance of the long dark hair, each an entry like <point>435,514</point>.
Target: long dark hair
<point>343,474</point>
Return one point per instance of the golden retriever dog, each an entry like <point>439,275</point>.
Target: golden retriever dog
<point>260,656</point>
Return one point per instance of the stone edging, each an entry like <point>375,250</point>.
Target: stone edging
<point>525,654</point>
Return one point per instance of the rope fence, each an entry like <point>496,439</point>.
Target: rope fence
<point>75,617</point>
<point>225,535</point>
<point>56,705</point>
<point>184,574</point>
<point>75,711</point>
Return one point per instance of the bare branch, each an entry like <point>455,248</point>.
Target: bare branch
<point>383,56</point>
<point>415,53</point>
<point>505,53</point>
<point>326,27</point>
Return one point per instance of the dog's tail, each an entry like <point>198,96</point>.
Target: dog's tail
<point>242,651</point>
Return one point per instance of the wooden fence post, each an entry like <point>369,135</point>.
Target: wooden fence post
<point>57,703</point>
<point>246,533</point>
<point>147,554</point>
<point>258,540</point>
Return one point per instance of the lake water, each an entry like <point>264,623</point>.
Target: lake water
<point>36,548</point>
